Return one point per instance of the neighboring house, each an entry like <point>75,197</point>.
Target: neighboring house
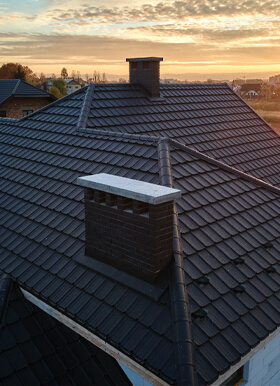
<point>18,98</point>
<point>101,261</point>
<point>72,85</point>
<point>250,91</point>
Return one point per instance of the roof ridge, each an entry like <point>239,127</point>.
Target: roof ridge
<point>16,87</point>
<point>226,167</point>
<point>181,317</point>
<point>144,137</point>
<point>31,85</point>
<point>5,291</point>
<point>85,110</point>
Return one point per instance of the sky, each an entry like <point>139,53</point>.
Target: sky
<point>192,36</point>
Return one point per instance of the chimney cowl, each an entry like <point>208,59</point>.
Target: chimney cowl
<point>146,72</point>
<point>129,224</point>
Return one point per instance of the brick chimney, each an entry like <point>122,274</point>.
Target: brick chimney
<point>129,224</point>
<point>145,71</point>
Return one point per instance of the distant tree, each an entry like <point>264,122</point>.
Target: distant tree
<point>53,76</point>
<point>60,84</point>
<point>87,77</point>
<point>104,79</point>
<point>55,91</point>
<point>96,76</point>
<point>73,75</point>
<point>64,73</point>
<point>42,78</point>
<point>19,73</point>
<point>122,80</point>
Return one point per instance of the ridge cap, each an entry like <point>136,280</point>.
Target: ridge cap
<point>85,109</point>
<point>181,318</point>
<point>224,166</point>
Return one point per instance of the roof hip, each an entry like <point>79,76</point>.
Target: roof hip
<point>226,167</point>
<point>85,110</point>
<point>186,374</point>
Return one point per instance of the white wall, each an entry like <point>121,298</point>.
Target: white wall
<point>263,369</point>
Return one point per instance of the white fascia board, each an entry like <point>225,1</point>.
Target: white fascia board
<point>112,351</point>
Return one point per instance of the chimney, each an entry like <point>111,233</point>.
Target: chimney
<point>129,224</point>
<point>145,71</point>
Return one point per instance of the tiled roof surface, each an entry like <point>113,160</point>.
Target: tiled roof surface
<point>7,121</point>
<point>229,223</point>
<point>230,230</point>
<point>36,349</point>
<point>209,118</point>
<point>42,219</point>
<point>19,88</point>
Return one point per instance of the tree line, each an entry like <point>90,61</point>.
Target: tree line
<point>58,85</point>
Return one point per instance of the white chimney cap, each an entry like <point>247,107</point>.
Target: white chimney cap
<point>133,189</point>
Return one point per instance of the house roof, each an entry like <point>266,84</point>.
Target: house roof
<point>210,118</point>
<point>229,224</point>
<point>248,87</point>
<point>36,349</point>
<point>71,81</point>
<point>17,88</point>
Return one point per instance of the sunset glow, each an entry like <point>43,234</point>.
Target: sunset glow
<point>202,36</point>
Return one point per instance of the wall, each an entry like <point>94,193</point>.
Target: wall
<point>263,369</point>
<point>15,106</point>
<point>134,378</point>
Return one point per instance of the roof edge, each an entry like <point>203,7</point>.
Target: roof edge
<point>99,342</point>
<point>186,374</point>
<point>244,101</point>
<point>226,167</point>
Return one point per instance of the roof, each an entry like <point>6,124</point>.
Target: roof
<point>248,87</point>
<point>71,81</point>
<point>8,121</point>
<point>210,118</point>
<point>36,349</point>
<point>229,224</point>
<point>17,88</point>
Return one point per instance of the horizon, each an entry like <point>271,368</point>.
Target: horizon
<point>203,37</point>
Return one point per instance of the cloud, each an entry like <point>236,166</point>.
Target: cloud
<point>206,35</point>
<point>166,11</point>
<point>101,50</point>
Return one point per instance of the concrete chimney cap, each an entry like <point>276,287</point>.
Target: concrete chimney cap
<point>133,189</point>
<point>150,59</point>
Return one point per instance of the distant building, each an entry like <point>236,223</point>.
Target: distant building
<point>71,85</point>
<point>250,91</point>
<point>18,98</point>
<point>274,79</point>
<point>167,81</point>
